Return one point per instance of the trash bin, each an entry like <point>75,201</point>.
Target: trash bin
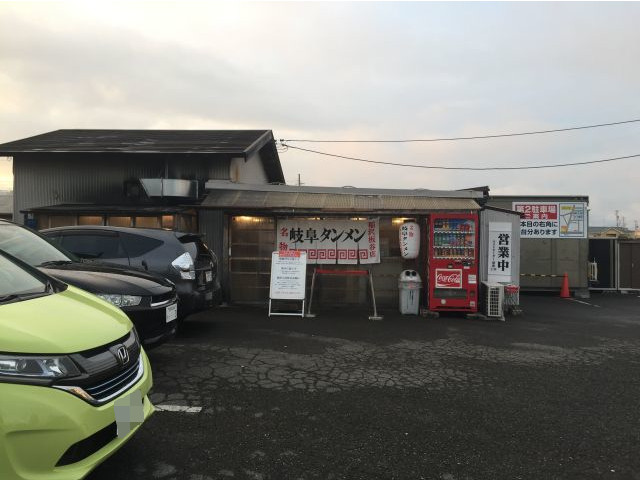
<point>409,285</point>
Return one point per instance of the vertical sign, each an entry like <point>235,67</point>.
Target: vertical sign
<point>288,275</point>
<point>500,246</point>
<point>409,240</point>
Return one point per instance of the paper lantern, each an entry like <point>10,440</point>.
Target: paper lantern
<point>409,240</point>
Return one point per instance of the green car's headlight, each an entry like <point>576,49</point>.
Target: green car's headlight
<point>37,367</point>
<point>121,300</point>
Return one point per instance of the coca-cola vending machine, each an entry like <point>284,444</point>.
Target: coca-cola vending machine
<point>453,262</point>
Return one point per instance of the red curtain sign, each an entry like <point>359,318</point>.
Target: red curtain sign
<point>331,241</point>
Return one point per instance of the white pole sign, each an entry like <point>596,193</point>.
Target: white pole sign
<point>288,275</point>
<point>499,245</point>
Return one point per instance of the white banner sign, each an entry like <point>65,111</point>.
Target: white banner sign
<point>288,275</point>
<point>500,246</point>
<point>331,241</point>
<point>552,219</point>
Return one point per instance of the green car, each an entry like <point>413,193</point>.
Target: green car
<point>73,377</point>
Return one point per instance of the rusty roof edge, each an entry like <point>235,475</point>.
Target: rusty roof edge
<point>228,185</point>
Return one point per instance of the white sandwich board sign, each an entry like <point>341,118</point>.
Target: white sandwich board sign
<point>288,278</point>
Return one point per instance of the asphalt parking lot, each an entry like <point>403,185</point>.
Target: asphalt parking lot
<point>549,394</point>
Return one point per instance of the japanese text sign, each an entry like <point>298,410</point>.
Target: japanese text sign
<point>409,240</point>
<point>288,275</point>
<point>500,246</point>
<point>552,219</point>
<point>331,241</point>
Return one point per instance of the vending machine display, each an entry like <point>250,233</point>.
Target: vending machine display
<point>452,262</point>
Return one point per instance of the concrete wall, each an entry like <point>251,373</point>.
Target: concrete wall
<point>6,205</point>
<point>250,170</point>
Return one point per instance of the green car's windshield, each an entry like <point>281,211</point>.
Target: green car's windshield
<point>16,282</point>
<point>30,247</point>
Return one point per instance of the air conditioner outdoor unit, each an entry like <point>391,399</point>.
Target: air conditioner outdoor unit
<point>494,300</point>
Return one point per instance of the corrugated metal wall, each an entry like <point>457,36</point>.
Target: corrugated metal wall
<point>487,216</point>
<point>212,225</point>
<point>47,179</point>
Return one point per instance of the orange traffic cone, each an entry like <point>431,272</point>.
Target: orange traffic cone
<point>564,290</point>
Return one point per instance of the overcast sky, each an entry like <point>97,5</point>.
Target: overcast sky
<point>348,71</point>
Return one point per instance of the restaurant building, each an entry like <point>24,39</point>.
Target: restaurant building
<point>340,227</point>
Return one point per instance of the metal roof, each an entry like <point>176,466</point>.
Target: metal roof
<point>143,141</point>
<point>478,192</point>
<point>238,143</point>
<point>290,202</point>
<point>93,209</point>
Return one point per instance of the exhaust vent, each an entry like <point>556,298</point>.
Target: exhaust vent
<point>170,187</point>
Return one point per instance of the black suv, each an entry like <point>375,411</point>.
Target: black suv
<point>148,299</point>
<point>181,257</point>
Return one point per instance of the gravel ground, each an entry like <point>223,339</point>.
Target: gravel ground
<point>549,394</point>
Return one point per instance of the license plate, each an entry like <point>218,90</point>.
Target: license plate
<point>208,275</point>
<point>129,412</point>
<point>172,312</point>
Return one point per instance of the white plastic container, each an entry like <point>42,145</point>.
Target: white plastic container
<point>409,284</point>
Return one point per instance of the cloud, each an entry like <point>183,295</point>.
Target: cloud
<point>347,70</point>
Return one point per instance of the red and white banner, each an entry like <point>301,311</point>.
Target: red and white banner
<point>331,241</point>
<point>448,278</point>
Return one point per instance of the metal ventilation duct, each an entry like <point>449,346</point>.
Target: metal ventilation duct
<point>170,187</point>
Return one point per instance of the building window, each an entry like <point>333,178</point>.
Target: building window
<point>90,220</point>
<point>42,221</point>
<point>148,222</point>
<point>168,222</point>
<point>62,220</point>
<point>187,223</point>
<point>115,221</point>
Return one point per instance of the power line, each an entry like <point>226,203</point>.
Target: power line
<point>434,167</point>
<point>476,137</point>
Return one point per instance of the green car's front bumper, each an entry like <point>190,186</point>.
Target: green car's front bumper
<point>39,425</point>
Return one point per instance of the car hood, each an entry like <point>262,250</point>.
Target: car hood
<point>96,278</point>
<point>65,322</point>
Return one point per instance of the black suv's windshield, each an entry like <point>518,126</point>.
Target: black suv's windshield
<point>30,247</point>
<point>16,282</point>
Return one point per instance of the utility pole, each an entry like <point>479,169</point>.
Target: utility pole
<point>617,218</point>
<point>299,182</point>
